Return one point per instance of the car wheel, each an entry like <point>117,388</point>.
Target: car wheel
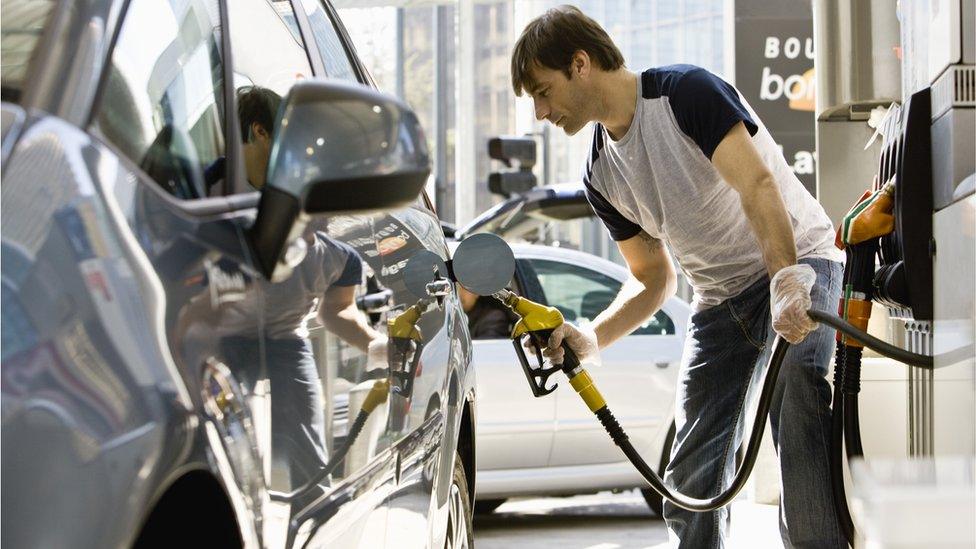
<point>487,506</point>
<point>654,500</point>
<point>460,528</point>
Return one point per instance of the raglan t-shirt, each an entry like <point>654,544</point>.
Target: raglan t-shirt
<point>659,178</point>
<point>286,307</point>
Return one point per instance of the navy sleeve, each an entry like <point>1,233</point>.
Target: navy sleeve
<point>214,173</point>
<point>336,252</point>
<point>620,227</point>
<point>352,273</point>
<point>706,108</point>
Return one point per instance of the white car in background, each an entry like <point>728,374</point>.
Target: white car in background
<point>554,445</point>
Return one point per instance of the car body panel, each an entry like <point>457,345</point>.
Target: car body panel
<point>94,405</point>
<point>118,375</point>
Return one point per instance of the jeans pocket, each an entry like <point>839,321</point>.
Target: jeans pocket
<point>750,311</point>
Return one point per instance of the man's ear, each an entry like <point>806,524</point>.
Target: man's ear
<point>257,130</point>
<point>580,65</point>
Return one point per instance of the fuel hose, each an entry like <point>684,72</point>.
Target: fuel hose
<point>583,384</point>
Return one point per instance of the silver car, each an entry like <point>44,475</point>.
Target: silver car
<point>207,339</point>
<point>553,445</point>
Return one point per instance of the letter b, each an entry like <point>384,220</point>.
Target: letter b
<point>771,88</point>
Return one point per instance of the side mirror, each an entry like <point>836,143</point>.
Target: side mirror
<point>337,148</point>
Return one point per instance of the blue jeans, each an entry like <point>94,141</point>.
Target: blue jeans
<point>724,345</point>
<point>297,402</point>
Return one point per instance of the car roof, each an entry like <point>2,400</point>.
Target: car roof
<point>525,212</point>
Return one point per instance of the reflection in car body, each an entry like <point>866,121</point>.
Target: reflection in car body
<point>139,348</point>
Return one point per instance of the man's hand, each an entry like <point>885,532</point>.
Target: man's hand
<point>581,339</point>
<point>790,300</point>
<point>377,353</point>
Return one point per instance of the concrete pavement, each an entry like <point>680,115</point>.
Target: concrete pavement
<point>606,521</point>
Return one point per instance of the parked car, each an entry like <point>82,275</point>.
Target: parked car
<point>197,285</point>
<point>562,448</point>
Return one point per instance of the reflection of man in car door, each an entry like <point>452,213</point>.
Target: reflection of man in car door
<point>257,108</point>
<point>326,278</point>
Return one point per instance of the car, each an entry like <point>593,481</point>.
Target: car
<point>207,339</point>
<point>561,448</point>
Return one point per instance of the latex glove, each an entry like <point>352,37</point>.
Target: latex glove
<point>377,353</point>
<point>581,339</point>
<point>790,300</point>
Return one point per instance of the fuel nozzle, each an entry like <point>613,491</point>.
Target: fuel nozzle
<point>406,345</point>
<point>537,322</point>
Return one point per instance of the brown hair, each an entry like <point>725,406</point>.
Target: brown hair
<point>551,39</point>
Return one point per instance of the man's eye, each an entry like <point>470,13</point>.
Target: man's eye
<point>544,93</point>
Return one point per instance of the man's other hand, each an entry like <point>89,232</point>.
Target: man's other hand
<point>790,301</point>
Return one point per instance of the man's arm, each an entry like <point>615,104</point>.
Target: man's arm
<point>651,283</point>
<point>739,163</point>
<point>340,316</point>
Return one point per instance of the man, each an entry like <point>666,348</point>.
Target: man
<point>325,282</point>
<point>257,108</point>
<point>680,160</point>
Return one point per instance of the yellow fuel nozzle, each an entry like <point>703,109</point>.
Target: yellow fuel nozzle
<point>376,395</point>
<point>533,317</point>
<point>538,321</point>
<point>404,325</point>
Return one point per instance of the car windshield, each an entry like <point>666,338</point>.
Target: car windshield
<point>21,28</point>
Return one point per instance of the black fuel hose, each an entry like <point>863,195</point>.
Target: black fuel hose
<point>780,347</point>
<point>881,347</point>
<point>616,432</point>
<point>836,459</point>
<point>334,462</point>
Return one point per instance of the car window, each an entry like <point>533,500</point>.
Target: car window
<point>20,31</point>
<point>582,294</point>
<point>334,57</point>
<point>269,58</point>
<point>162,101</point>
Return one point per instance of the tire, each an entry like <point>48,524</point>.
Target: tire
<point>653,499</point>
<point>487,506</point>
<point>460,526</point>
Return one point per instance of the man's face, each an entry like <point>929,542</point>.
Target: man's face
<point>559,99</point>
<point>257,152</point>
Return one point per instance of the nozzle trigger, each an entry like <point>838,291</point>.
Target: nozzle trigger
<point>537,377</point>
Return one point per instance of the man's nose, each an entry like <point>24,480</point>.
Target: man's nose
<point>541,110</point>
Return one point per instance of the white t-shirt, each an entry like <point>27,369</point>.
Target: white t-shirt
<point>659,178</point>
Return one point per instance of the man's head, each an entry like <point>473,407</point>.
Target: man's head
<point>257,108</point>
<point>558,60</point>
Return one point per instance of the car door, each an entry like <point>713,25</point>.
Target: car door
<point>331,467</point>
<point>637,375</point>
<point>423,329</point>
<point>509,416</point>
<point>159,124</point>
